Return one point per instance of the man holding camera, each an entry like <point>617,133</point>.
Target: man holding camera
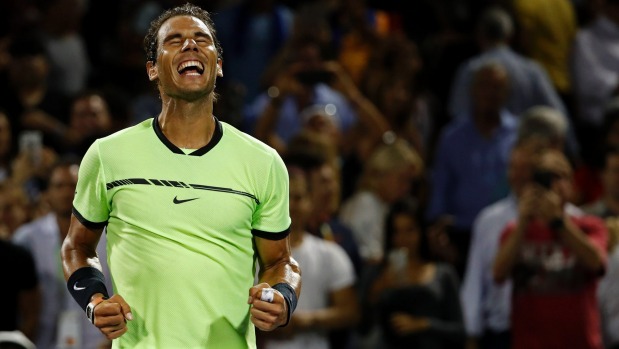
<point>555,261</point>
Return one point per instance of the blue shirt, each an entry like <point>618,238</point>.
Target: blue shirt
<point>289,123</point>
<point>469,170</point>
<point>529,83</point>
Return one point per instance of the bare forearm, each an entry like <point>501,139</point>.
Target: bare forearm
<point>334,318</point>
<point>508,253</point>
<point>78,256</point>
<point>582,248</point>
<point>79,248</point>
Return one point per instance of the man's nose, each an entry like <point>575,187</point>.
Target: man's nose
<point>190,44</point>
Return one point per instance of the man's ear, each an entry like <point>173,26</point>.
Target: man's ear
<point>220,64</point>
<point>151,70</point>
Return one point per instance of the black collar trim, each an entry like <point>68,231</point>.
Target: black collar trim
<point>217,134</point>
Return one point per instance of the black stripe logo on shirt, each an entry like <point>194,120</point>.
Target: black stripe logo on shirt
<point>177,184</point>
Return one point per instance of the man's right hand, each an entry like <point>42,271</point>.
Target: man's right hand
<point>111,316</point>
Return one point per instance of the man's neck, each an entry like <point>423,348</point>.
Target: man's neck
<point>187,125</point>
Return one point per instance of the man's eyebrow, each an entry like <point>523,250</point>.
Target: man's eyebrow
<point>179,35</point>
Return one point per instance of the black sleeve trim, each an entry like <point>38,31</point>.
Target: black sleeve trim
<point>87,223</point>
<point>270,235</point>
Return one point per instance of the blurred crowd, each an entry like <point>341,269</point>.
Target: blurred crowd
<point>419,136</point>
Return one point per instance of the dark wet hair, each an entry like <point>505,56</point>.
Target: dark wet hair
<point>150,40</point>
<point>411,209</point>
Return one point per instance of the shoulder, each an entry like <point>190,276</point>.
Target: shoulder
<point>247,143</point>
<point>126,136</point>
<point>32,230</point>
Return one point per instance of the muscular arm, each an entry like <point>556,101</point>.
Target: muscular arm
<point>79,248</point>
<point>277,264</point>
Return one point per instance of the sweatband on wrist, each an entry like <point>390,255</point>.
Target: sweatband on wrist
<point>289,295</point>
<point>85,282</point>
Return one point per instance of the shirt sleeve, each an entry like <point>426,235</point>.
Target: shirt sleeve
<point>343,273</point>
<point>272,214</point>
<point>91,205</point>
<point>472,287</point>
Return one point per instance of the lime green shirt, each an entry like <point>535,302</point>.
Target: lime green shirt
<point>180,230</point>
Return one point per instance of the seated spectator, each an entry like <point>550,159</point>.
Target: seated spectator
<point>415,299</point>
<point>387,177</point>
<point>330,299</point>
<point>555,260</point>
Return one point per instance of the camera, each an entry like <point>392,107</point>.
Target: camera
<point>314,76</point>
<point>544,178</point>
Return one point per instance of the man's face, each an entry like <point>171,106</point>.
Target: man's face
<point>62,189</point>
<point>90,115</point>
<point>490,90</point>
<point>187,64</point>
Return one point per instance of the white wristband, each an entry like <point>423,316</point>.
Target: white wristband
<point>267,295</point>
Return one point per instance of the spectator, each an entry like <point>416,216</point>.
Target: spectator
<point>607,208</point>
<point>587,176</point>
<point>43,238</point>
<point>529,84</point>
<point>415,298</point>
<point>324,180</point>
<point>90,118</point>
<point>15,209</point>
<point>387,177</point>
<point>595,68</point>
<point>69,62</point>
<point>294,88</point>
<point>27,97</point>
<point>554,260</point>
<point>469,165</point>
<point>330,299</point>
<point>487,305</point>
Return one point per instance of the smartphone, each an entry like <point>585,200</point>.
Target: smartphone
<point>313,77</point>
<point>31,143</point>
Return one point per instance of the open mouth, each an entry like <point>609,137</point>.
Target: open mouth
<point>191,68</point>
